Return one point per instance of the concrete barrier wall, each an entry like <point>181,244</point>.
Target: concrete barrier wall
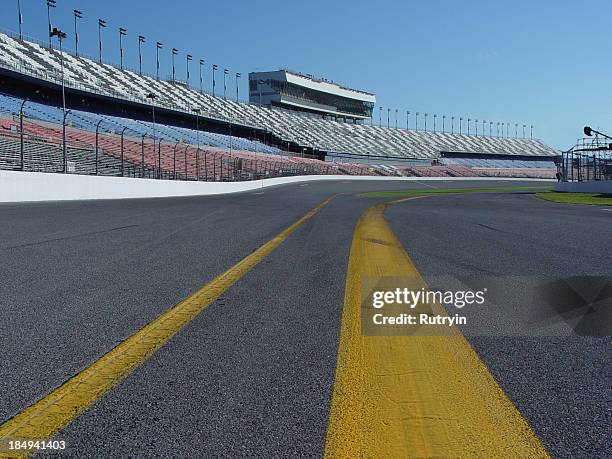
<point>18,186</point>
<point>604,187</point>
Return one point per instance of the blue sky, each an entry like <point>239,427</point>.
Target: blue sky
<point>530,62</point>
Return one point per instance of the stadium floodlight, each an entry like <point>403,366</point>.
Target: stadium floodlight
<point>189,58</point>
<point>122,33</point>
<point>468,129</point>
<point>460,125</point>
<point>407,116</point>
<point>214,68</point>
<point>141,40</point>
<point>60,37</point>
<point>434,118</point>
<point>50,4</point>
<point>19,19</point>
<point>588,131</point>
<point>524,131</point>
<point>201,65</point>
<point>77,15</point>
<point>443,123</point>
<point>225,72</point>
<point>158,46</point>
<point>531,132</point>
<point>237,78</point>
<point>101,25</point>
<point>174,53</point>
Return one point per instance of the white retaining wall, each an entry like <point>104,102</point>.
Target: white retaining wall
<point>16,186</point>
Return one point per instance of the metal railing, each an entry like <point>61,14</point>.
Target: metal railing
<point>30,144</point>
<point>590,159</point>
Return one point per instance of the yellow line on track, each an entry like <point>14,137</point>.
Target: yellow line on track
<point>44,418</point>
<point>413,396</point>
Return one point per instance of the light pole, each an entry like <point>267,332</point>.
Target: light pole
<point>122,159</point>
<point>524,131</point>
<point>77,15</point>
<point>531,135</point>
<point>416,121</point>
<point>201,64</point>
<point>174,53</point>
<point>60,37</point>
<point>460,125</point>
<point>396,118</point>
<point>237,78</point>
<point>189,58</point>
<point>20,19</point>
<point>507,130</point>
<point>443,123</point>
<point>142,156</point>
<point>490,128</point>
<point>483,127</point>
<point>101,25</point>
<point>380,116</point>
<point>425,122</point>
<point>225,72</point>
<point>158,46</point>
<point>50,4</point>
<point>97,148</point>
<point>197,112</point>
<point>452,124</point>
<point>515,130</point>
<point>122,33</point>
<point>388,117</point>
<point>497,130</point>
<point>407,117</point>
<point>476,126</point>
<point>141,40</point>
<point>214,67</point>
<point>21,133</point>
<point>259,84</point>
<point>434,117</point>
<point>152,97</point>
<point>468,130</point>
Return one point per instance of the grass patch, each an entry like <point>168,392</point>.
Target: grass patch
<point>596,199</point>
<point>423,191</point>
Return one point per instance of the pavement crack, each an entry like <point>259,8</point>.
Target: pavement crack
<point>74,236</point>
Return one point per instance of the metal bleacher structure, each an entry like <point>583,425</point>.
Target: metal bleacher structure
<point>113,145</point>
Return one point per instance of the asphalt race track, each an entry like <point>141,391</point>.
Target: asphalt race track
<point>252,375</point>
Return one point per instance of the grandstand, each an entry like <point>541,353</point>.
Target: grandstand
<point>119,97</point>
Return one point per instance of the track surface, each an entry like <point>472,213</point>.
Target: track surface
<point>253,374</point>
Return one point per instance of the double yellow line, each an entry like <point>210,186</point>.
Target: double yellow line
<point>393,396</point>
<point>413,396</point>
